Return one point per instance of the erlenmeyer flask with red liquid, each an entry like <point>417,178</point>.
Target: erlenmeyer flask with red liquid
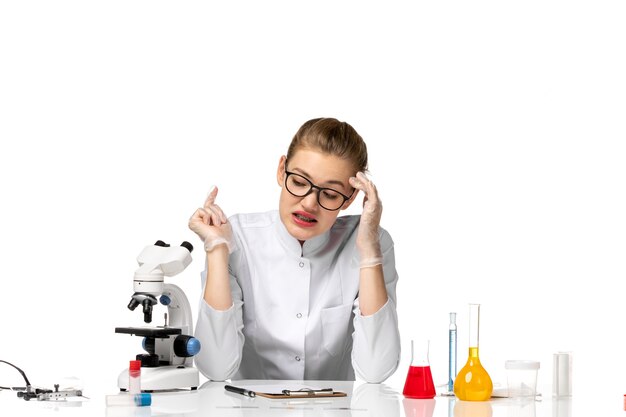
<point>419,380</point>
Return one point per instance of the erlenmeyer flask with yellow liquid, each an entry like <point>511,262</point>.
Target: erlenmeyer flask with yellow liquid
<point>473,383</point>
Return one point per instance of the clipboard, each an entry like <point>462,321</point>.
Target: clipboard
<point>303,393</point>
<point>279,393</point>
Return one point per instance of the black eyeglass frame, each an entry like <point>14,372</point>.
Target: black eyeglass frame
<point>320,189</point>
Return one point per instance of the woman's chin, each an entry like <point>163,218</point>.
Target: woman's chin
<point>301,233</point>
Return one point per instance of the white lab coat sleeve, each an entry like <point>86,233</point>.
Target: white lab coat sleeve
<point>376,338</point>
<point>221,336</point>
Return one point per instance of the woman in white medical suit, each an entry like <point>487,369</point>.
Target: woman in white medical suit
<point>299,293</point>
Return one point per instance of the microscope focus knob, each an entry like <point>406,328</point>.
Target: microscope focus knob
<point>186,346</point>
<point>165,300</point>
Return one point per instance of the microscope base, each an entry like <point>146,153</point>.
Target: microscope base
<point>163,378</point>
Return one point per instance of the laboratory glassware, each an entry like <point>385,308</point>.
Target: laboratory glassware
<point>562,374</point>
<point>473,383</point>
<point>451,352</point>
<point>521,378</point>
<point>134,377</point>
<point>419,380</point>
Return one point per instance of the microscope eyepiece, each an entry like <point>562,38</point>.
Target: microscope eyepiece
<point>161,243</point>
<point>187,245</point>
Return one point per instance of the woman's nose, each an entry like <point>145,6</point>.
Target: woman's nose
<point>309,202</point>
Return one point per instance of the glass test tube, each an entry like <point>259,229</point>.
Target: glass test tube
<point>134,377</point>
<point>451,352</point>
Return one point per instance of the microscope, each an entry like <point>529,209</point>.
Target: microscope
<point>168,361</point>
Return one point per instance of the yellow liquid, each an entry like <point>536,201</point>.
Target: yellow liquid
<point>473,383</point>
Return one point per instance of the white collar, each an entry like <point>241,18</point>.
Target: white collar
<point>292,245</point>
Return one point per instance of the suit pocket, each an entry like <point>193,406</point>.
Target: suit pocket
<point>335,324</point>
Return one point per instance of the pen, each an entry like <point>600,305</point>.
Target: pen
<point>241,391</point>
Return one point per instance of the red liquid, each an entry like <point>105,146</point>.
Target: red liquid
<point>419,383</point>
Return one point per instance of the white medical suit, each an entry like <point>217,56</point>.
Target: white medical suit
<point>295,312</point>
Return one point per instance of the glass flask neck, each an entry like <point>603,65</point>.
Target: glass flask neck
<point>419,353</point>
<point>474,324</point>
<point>452,321</point>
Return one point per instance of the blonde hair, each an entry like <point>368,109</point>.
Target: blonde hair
<point>332,137</point>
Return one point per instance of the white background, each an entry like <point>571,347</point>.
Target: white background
<point>496,136</point>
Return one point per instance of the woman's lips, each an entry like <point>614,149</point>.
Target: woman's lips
<point>303,219</point>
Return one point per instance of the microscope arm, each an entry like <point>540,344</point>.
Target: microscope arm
<point>178,308</point>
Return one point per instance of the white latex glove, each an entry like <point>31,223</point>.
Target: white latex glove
<point>367,240</point>
<point>211,225</point>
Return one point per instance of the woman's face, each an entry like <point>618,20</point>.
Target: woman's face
<point>303,217</point>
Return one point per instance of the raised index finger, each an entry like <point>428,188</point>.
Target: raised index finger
<point>210,199</point>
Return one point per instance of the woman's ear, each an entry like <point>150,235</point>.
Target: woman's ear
<point>280,172</point>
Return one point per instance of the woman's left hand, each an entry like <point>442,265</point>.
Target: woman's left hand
<point>367,241</point>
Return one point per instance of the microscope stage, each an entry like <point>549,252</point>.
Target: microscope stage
<point>160,332</point>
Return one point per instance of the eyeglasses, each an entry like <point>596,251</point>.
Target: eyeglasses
<point>300,186</point>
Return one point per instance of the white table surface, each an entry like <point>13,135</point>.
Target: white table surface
<point>363,400</point>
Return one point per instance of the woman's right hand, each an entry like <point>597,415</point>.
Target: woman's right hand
<point>211,225</point>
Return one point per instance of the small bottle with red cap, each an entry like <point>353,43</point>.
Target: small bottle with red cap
<point>134,377</point>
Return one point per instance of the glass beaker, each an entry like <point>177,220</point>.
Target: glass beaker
<point>419,380</point>
<point>473,383</point>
